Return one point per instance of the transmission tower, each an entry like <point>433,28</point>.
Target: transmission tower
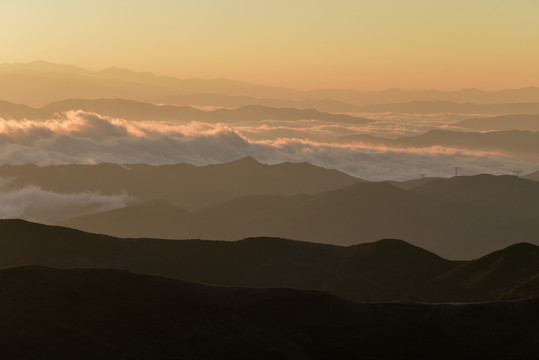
<point>456,169</point>
<point>53,158</point>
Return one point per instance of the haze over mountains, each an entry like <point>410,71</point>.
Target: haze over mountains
<point>184,185</point>
<point>461,217</point>
<point>513,143</point>
<point>439,106</point>
<point>39,83</point>
<point>338,180</point>
<point>134,110</point>
<point>120,116</point>
<point>505,122</point>
<point>319,184</point>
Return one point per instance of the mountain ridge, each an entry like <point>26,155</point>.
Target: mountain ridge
<point>385,270</point>
<point>461,217</point>
<point>80,313</point>
<point>135,85</point>
<point>140,111</point>
<point>186,186</point>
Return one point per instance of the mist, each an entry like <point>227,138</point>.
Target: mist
<point>35,204</point>
<point>88,138</point>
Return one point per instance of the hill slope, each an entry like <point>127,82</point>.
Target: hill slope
<point>393,266</point>
<point>108,314</point>
<point>501,274</point>
<point>385,270</point>
<point>462,217</point>
<point>184,185</point>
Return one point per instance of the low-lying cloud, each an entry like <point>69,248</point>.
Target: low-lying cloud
<point>35,204</point>
<point>86,138</point>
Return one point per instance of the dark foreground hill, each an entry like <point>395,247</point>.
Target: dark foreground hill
<point>461,218</point>
<point>184,185</point>
<point>110,314</point>
<point>490,277</point>
<point>385,270</point>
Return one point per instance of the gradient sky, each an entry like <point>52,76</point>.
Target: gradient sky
<point>361,44</point>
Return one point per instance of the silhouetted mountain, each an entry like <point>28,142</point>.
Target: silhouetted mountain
<point>110,314</point>
<point>183,185</point>
<point>461,217</point>
<point>503,274</point>
<point>433,107</point>
<point>383,270</point>
<point>135,110</point>
<point>410,184</point>
<point>39,83</point>
<point>519,144</point>
<point>10,110</point>
<point>524,122</point>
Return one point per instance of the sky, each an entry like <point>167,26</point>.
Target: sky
<point>352,44</point>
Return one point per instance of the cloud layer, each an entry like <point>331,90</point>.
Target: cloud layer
<point>86,138</point>
<point>36,204</point>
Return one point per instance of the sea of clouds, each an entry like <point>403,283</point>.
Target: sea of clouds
<point>87,138</point>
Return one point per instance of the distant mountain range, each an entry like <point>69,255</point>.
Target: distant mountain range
<point>186,186</point>
<point>134,110</point>
<point>525,122</point>
<point>385,270</point>
<point>434,107</point>
<point>515,143</point>
<point>110,314</point>
<point>39,83</point>
<point>461,217</point>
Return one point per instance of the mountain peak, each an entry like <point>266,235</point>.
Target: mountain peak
<point>246,161</point>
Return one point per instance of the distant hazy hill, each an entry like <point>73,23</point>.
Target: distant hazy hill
<point>230,101</point>
<point>110,314</point>
<point>528,122</point>
<point>39,83</point>
<point>505,106</point>
<point>461,217</point>
<point>183,185</point>
<point>384,270</point>
<point>532,176</point>
<point>515,143</point>
<point>134,110</point>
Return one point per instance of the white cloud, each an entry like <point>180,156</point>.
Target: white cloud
<point>34,203</point>
<point>80,137</point>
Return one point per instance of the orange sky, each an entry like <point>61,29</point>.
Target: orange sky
<point>367,44</point>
